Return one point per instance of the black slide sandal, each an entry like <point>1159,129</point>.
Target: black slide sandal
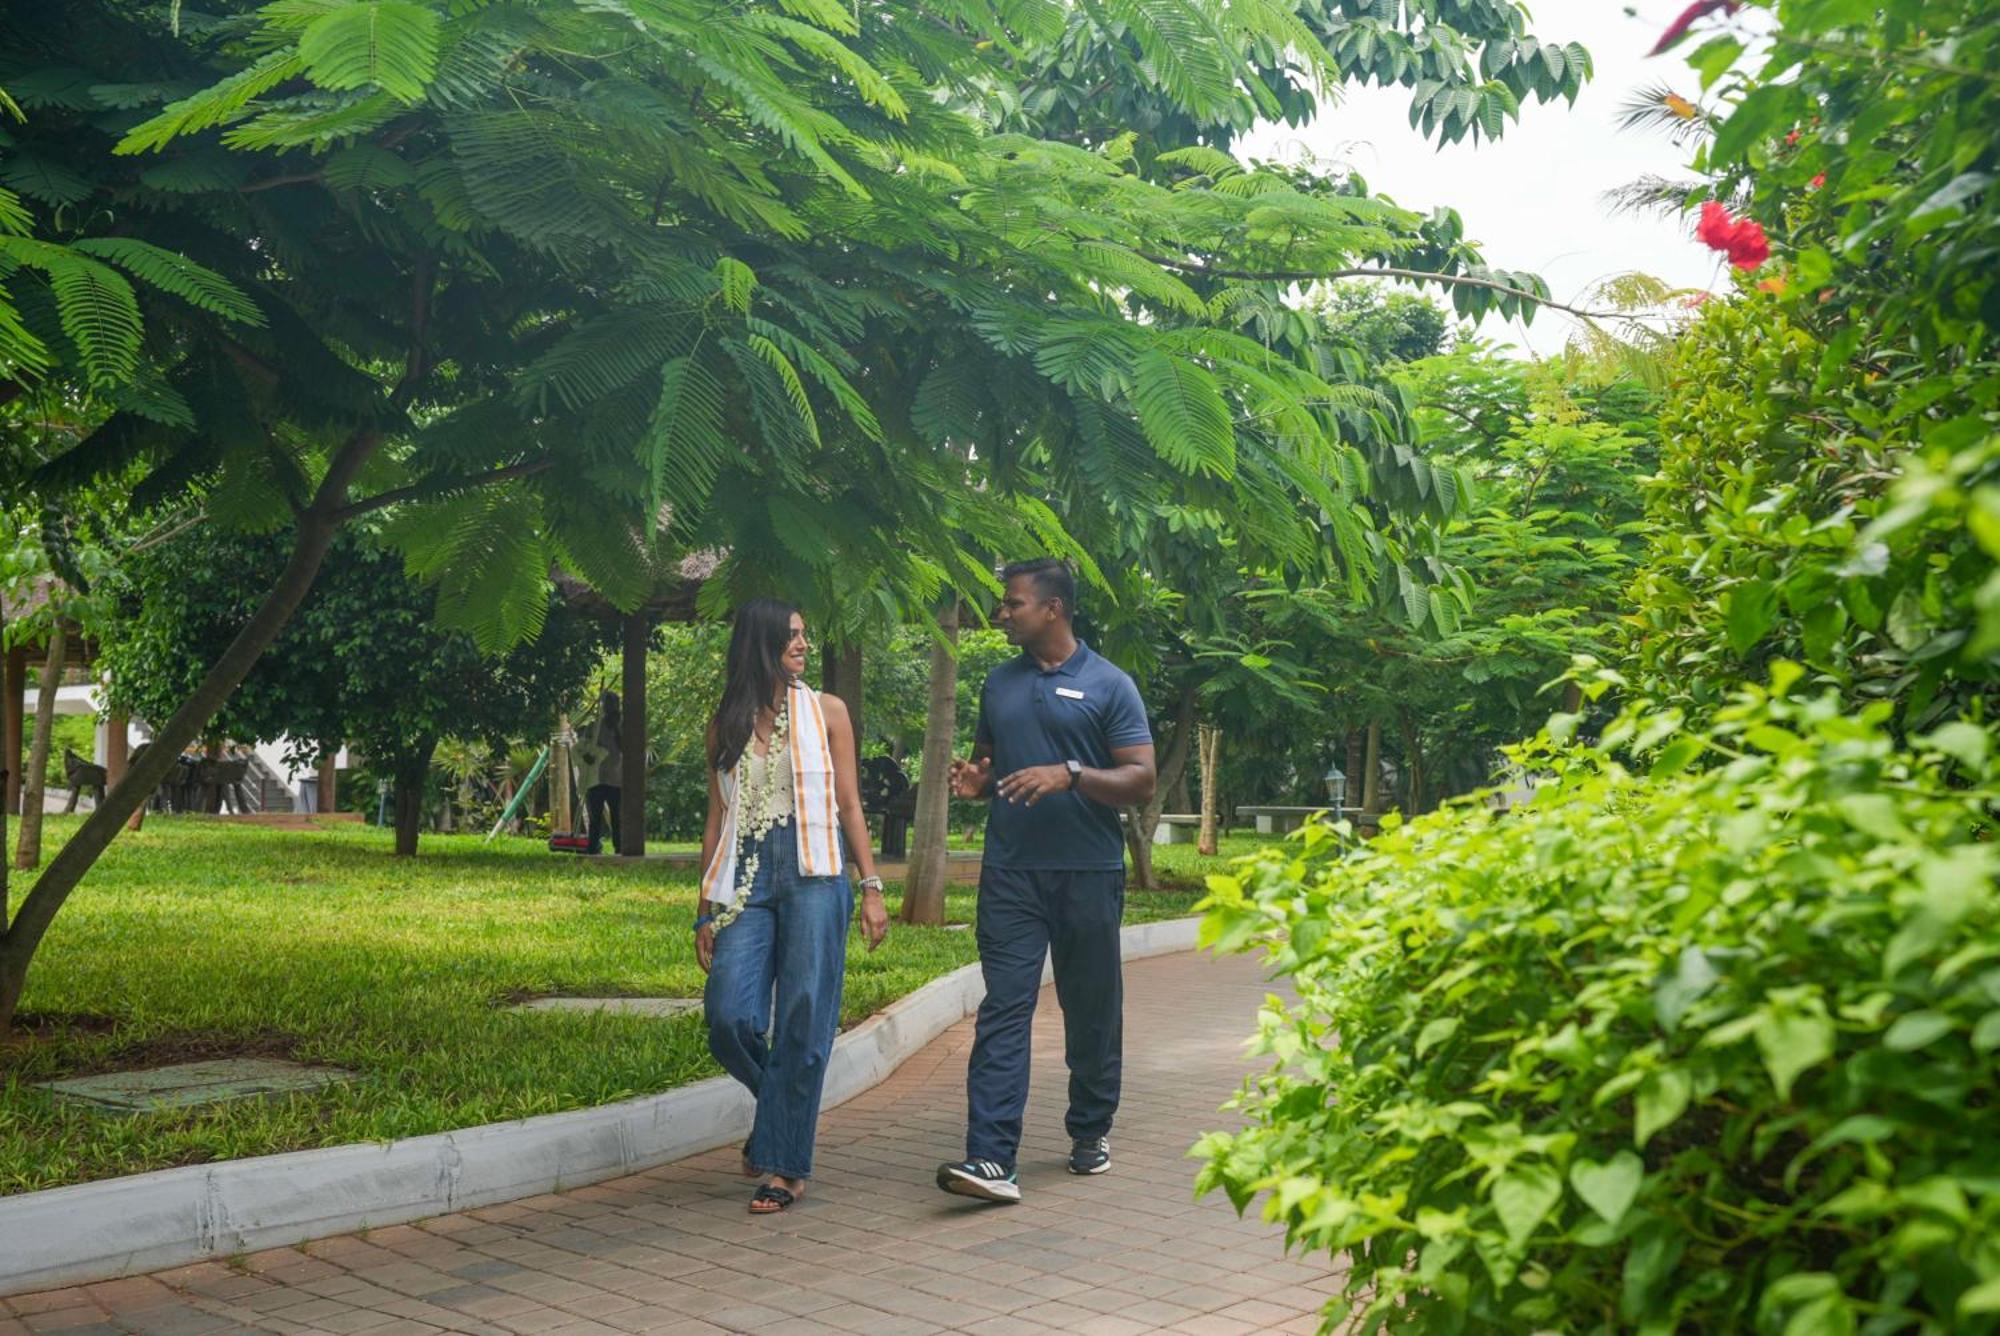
<point>770,1200</point>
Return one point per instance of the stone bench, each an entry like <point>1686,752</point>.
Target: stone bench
<point>1177,828</point>
<point>1278,820</point>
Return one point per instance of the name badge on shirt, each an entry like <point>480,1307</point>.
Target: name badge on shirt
<point>1070,692</point>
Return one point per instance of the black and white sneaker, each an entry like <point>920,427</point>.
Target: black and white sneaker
<point>983,1179</point>
<point>1090,1155</point>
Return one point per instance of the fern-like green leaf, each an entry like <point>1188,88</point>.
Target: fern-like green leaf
<point>218,104</point>
<point>610,352</point>
<point>22,355</point>
<point>295,15</point>
<point>867,80</point>
<point>314,121</point>
<point>44,179</point>
<point>946,406</point>
<point>193,283</point>
<point>15,220</point>
<point>824,374</point>
<point>208,167</point>
<point>149,397</point>
<point>96,305</point>
<point>685,446</point>
<point>366,167</point>
<point>737,280</point>
<point>1184,415</point>
<point>387,44</point>
<point>795,389</point>
<point>484,553</point>
<point>1205,160</point>
<point>591,542</point>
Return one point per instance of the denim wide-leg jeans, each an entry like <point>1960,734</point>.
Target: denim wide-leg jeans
<point>791,936</point>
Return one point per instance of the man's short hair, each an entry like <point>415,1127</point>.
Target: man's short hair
<point>1052,578</point>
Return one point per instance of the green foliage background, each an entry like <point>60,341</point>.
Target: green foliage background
<point>1703,1037</point>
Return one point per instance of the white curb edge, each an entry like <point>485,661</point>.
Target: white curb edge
<point>170,1217</point>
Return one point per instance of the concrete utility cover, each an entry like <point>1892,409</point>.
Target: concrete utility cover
<point>189,1084</point>
<point>660,1007</point>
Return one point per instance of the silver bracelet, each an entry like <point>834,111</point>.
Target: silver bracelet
<point>871,884</point>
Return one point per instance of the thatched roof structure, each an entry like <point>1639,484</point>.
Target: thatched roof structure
<point>672,600</point>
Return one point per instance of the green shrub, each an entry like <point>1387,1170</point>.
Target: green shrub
<point>1808,509</point>
<point>1694,1051</point>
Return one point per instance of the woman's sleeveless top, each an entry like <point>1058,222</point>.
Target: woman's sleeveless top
<point>816,819</point>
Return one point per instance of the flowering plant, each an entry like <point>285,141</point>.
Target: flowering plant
<point>1741,239</point>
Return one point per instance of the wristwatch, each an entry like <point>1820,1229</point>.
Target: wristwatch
<point>1075,769</point>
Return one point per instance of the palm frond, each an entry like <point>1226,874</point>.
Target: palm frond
<point>1660,110</point>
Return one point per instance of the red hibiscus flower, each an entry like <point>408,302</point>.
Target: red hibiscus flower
<point>1678,28</point>
<point>1741,239</point>
<point>1817,181</point>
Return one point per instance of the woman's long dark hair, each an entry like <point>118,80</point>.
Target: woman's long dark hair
<point>608,724</point>
<point>752,673</point>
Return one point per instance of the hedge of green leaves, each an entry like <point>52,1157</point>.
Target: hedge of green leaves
<point>1684,1050</point>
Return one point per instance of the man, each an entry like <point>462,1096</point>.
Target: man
<point>1066,733</point>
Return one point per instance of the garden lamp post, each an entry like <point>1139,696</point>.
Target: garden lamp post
<point>1336,788</point>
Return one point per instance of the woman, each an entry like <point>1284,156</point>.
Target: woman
<point>603,773</point>
<point>782,793</point>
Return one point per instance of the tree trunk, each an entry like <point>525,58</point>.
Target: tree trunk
<point>1140,822</point>
<point>328,778</point>
<point>923,885</point>
<point>35,782</point>
<point>412,772</point>
<point>316,528</point>
<point>117,755</point>
<point>1211,756</point>
<point>632,737</point>
<point>840,675</point>
<point>1180,800</point>
<point>16,742</point>
<point>211,792</point>
<point>1352,797</point>
<point>562,806</point>
<point>1413,752</point>
<point>13,760</point>
<point>1572,698</point>
<point>1371,773</point>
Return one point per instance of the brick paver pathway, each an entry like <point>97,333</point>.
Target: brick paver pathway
<point>876,1249</point>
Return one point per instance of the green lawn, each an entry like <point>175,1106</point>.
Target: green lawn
<point>194,938</point>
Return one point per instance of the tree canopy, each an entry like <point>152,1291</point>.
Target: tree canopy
<point>362,662</point>
<point>596,286</point>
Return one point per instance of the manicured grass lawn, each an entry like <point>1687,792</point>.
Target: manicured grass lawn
<point>194,938</point>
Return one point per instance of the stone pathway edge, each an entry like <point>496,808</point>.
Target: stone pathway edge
<point>128,1226</point>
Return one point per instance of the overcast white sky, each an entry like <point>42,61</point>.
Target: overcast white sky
<point>1534,200</point>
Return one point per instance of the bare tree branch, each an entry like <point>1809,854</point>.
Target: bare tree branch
<point>434,487</point>
<point>1378,271</point>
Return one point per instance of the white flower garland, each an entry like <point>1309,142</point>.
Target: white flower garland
<point>754,818</point>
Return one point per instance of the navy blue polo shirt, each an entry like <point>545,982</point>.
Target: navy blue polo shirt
<point>1028,716</point>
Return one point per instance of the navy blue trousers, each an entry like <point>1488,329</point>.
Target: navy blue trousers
<point>1025,917</point>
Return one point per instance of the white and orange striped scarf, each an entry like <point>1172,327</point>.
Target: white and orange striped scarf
<point>815,820</point>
